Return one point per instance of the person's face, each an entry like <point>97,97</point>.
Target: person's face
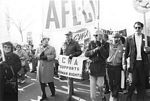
<point>138,28</point>
<point>116,40</point>
<point>18,48</point>
<point>7,48</point>
<point>98,37</point>
<point>68,37</point>
<point>45,42</point>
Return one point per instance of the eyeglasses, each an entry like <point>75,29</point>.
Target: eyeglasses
<point>96,35</point>
<point>8,47</point>
<point>137,27</point>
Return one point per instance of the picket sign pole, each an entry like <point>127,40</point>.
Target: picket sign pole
<point>145,32</point>
<point>2,52</point>
<point>122,79</point>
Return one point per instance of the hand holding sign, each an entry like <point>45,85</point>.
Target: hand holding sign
<point>70,56</point>
<point>147,49</point>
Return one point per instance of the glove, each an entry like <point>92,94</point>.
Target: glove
<point>147,49</point>
<point>43,57</point>
<point>4,64</point>
<point>124,67</point>
<point>96,49</point>
<point>70,56</point>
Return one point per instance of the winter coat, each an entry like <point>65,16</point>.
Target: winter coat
<point>73,48</point>
<point>12,66</point>
<point>45,68</point>
<point>98,57</point>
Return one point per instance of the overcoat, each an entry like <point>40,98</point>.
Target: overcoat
<point>45,68</point>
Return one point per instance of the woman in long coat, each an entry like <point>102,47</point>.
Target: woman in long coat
<point>45,70</point>
<point>11,65</point>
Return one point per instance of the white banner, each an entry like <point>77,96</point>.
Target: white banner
<point>71,67</point>
<point>58,14</point>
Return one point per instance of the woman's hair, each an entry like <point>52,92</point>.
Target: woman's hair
<point>18,45</point>
<point>8,43</point>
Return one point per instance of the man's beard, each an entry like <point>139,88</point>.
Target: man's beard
<point>45,45</point>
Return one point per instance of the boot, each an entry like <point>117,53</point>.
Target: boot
<point>52,88</point>
<point>43,92</point>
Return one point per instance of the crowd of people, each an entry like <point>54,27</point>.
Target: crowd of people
<point>106,60</point>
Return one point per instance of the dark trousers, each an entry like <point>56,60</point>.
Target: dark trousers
<point>70,87</point>
<point>11,92</point>
<point>114,79</point>
<point>51,86</point>
<point>106,82</point>
<point>138,81</point>
<point>34,64</point>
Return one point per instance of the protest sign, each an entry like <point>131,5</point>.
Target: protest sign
<point>83,36</point>
<point>71,67</point>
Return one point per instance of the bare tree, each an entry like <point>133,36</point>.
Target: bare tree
<point>18,24</point>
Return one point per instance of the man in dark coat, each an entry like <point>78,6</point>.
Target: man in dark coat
<point>137,53</point>
<point>72,49</point>
<point>98,52</point>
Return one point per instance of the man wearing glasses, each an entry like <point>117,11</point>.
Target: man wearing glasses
<point>137,53</point>
<point>98,52</point>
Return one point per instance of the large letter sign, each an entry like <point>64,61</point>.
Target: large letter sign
<point>49,18</point>
<point>68,13</point>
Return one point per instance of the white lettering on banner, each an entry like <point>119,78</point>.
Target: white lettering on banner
<point>52,15</point>
<point>71,68</point>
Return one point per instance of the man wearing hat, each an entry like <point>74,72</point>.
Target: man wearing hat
<point>72,49</point>
<point>114,65</point>
<point>97,51</point>
<point>45,71</point>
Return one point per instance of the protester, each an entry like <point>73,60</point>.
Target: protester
<point>24,62</point>
<point>45,71</point>
<point>2,78</point>
<point>137,53</point>
<point>114,66</point>
<point>11,66</point>
<point>72,49</point>
<point>32,59</point>
<point>98,51</point>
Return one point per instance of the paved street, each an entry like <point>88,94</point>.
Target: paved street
<point>30,91</point>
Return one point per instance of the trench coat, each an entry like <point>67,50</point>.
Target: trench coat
<point>45,68</point>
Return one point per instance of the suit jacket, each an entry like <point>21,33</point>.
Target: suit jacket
<point>131,51</point>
